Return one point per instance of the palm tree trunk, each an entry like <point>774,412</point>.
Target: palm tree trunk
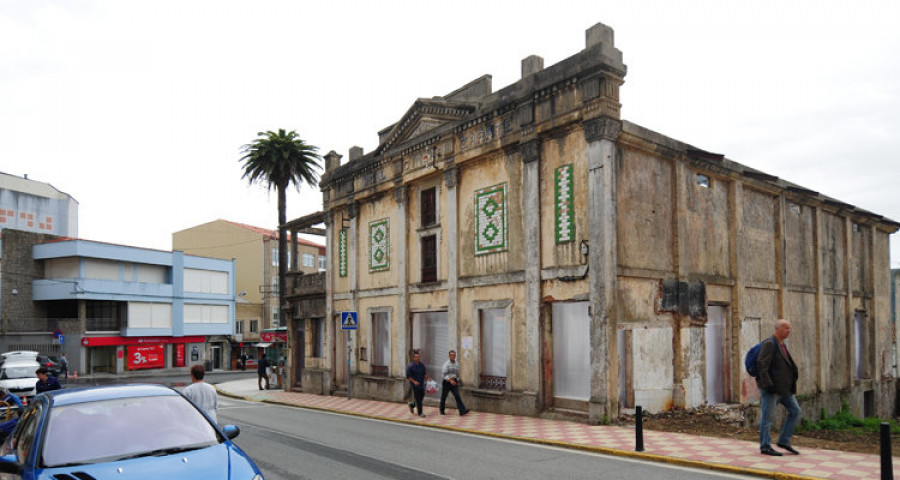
<point>282,252</point>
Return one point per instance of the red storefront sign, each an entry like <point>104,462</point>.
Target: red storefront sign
<point>271,337</point>
<point>146,356</point>
<point>179,355</point>
<point>112,341</point>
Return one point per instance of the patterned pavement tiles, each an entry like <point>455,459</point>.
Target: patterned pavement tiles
<point>717,453</point>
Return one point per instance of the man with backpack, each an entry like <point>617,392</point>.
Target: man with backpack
<point>777,381</point>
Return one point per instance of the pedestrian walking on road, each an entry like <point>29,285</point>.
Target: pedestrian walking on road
<point>201,393</point>
<point>450,383</point>
<point>46,382</point>
<point>417,375</point>
<point>777,383</point>
<point>262,365</point>
<point>64,366</point>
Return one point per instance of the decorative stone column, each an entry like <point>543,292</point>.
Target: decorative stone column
<point>601,134</point>
<point>531,176</point>
<point>451,220</point>
<point>401,196</point>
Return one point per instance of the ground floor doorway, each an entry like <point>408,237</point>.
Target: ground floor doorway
<point>430,336</point>
<point>571,327</point>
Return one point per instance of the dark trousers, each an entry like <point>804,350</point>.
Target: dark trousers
<point>418,397</point>
<point>260,380</point>
<point>447,387</point>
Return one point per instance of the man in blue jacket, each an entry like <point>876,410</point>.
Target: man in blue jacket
<point>417,376</point>
<point>46,382</point>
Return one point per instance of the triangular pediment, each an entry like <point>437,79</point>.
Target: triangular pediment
<point>424,116</point>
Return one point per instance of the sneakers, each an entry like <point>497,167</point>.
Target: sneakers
<point>422,415</point>
<point>463,412</point>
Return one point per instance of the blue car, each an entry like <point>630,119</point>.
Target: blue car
<point>123,432</point>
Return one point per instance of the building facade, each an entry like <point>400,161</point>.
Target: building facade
<point>259,329</point>
<point>113,308</point>
<point>36,207</point>
<point>582,265</point>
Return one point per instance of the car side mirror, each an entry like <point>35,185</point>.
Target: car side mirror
<point>231,431</point>
<point>10,464</point>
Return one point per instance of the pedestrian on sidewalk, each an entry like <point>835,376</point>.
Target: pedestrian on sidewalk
<point>450,383</point>
<point>777,383</point>
<point>262,365</point>
<point>64,366</point>
<point>46,382</point>
<point>201,393</point>
<point>417,376</point>
<point>243,362</point>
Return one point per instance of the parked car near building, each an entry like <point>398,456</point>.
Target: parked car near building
<point>18,377</point>
<point>145,431</point>
<point>50,362</point>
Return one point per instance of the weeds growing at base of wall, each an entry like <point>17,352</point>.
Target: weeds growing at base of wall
<point>844,420</point>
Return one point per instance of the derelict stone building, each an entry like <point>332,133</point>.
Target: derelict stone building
<point>582,264</point>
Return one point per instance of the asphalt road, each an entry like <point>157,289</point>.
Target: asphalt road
<point>293,443</point>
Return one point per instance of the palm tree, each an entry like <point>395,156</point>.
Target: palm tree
<point>278,160</point>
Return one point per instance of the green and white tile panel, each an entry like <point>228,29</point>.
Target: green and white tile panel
<point>342,252</point>
<point>490,219</point>
<point>565,221</point>
<point>379,245</point>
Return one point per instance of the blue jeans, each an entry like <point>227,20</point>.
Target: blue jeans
<point>768,402</point>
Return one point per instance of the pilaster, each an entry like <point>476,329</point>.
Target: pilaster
<point>401,196</point>
<point>531,173</point>
<point>451,220</point>
<point>601,134</point>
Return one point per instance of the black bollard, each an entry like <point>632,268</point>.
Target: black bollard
<point>887,466</point>
<point>639,429</point>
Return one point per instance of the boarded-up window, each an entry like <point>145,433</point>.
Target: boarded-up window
<point>429,258</point>
<point>429,212</point>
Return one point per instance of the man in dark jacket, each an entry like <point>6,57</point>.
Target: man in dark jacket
<point>777,383</point>
<point>261,371</point>
<point>46,382</point>
<point>416,375</point>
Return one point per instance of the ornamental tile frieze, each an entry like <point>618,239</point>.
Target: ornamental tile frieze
<point>490,220</point>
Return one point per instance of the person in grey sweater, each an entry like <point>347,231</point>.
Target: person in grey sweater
<point>450,374</point>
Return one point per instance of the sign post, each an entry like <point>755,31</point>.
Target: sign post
<point>349,321</point>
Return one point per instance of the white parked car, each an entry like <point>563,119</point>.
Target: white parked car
<point>18,377</point>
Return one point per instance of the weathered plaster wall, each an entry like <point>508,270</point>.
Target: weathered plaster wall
<point>653,367</point>
<point>478,174</point>
<point>800,308</point>
<point>705,224</point>
<point>645,211</point>
<point>386,208</point>
<point>555,152</point>
<point>756,241</point>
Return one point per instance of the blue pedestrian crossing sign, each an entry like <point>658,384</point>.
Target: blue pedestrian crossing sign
<point>349,321</point>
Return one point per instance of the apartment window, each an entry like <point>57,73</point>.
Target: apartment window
<point>275,322</point>
<point>274,256</point>
<point>238,327</point>
<point>309,260</point>
<point>381,344</point>
<point>321,262</point>
<point>429,258</point>
<point>493,349</point>
<point>428,205</point>
<point>254,326</point>
<point>318,337</point>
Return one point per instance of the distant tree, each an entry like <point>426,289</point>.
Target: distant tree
<point>277,160</point>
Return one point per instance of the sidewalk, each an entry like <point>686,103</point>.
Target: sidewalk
<point>721,454</point>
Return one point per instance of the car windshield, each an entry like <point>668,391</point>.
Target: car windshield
<point>25,371</point>
<point>116,429</point>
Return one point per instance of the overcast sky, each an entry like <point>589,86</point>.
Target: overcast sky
<point>139,109</point>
